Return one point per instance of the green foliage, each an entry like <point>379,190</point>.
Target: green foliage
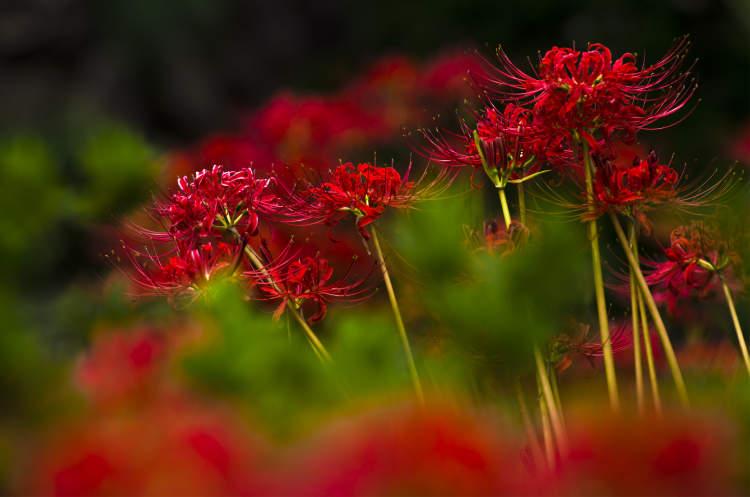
<point>31,199</point>
<point>254,361</point>
<point>32,383</point>
<point>494,308</point>
<point>118,169</point>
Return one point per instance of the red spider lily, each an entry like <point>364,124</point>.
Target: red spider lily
<point>634,189</point>
<point>670,455</point>
<point>449,74</point>
<point>120,366</point>
<point>366,191</point>
<point>307,280</point>
<point>212,202</point>
<point>506,145</point>
<point>497,238</point>
<point>696,259</point>
<point>183,272</point>
<point>171,446</point>
<point>565,348</point>
<point>585,91</point>
<point>408,451</point>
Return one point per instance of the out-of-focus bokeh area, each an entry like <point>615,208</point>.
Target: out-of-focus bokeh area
<point>104,104</point>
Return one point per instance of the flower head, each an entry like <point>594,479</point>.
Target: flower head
<point>307,281</point>
<point>505,144</point>
<point>587,91</point>
<point>696,261</point>
<point>365,191</point>
<point>205,225</point>
<point>183,272</point>
<point>213,201</point>
<point>634,189</point>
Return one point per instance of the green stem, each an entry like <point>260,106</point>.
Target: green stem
<point>549,447</point>
<point>521,204</point>
<point>601,304</point>
<point>654,311</point>
<point>549,399</point>
<point>504,205</point>
<point>556,393</point>
<point>528,426</point>
<point>634,314</point>
<point>316,344</point>
<point>397,314</point>
<point>655,394</point>
<point>736,321</point>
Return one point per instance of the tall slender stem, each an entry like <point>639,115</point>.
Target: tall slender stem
<point>316,344</point>
<point>736,322</point>
<point>549,446</point>
<point>601,304</point>
<point>556,394</point>
<point>397,314</point>
<point>528,426</point>
<point>654,311</point>
<point>555,417</point>
<point>521,203</point>
<point>504,205</point>
<point>655,394</point>
<point>634,314</point>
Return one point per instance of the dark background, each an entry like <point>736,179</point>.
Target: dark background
<point>177,70</point>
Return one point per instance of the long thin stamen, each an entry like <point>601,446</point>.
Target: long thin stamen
<point>654,311</point>
<point>601,304</point>
<point>397,314</point>
<point>316,344</point>
<point>736,322</point>
<point>634,314</point>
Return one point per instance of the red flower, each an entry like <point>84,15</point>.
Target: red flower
<point>120,366</point>
<point>214,201</point>
<point>511,148</point>
<point>586,91</point>
<point>669,455</point>
<point>306,280</point>
<point>169,447</point>
<point>633,189</point>
<point>206,224</point>
<point>696,258</point>
<point>184,271</point>
<point>412,451</point>
<point>366,191</point>
<point>566,348</point>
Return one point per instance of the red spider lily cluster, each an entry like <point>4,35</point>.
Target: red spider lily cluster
<point>572,116</point>
<point>569,120</point>
<point>210,223</point>
<point>573,99</point>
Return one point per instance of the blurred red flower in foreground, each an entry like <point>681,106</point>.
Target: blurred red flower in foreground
<point>169,447</point>
<point>434,450</point>
<point>121,366</point>
<point>673,455</point>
